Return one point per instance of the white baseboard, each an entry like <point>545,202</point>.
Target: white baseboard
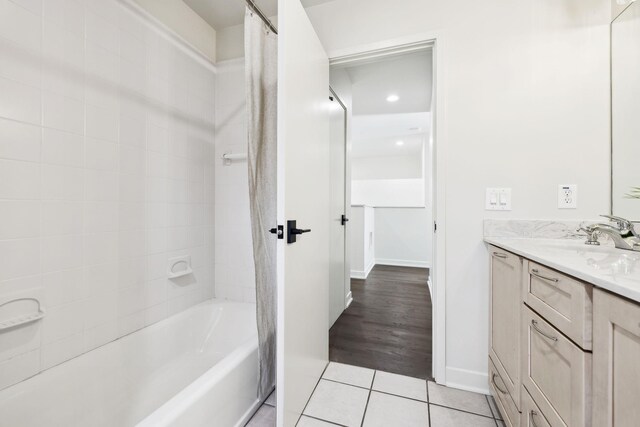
<point>463,379</point>
<point>349,300</point>
<point>430,285</point>
<point>403,263</point>
<point>358,274</point>
<point>370,267</point>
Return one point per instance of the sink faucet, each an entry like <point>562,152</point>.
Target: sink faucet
<point>621,231</point>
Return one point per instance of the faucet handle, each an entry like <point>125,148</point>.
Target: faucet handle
<point>623,224</point>
<point>592,234</point>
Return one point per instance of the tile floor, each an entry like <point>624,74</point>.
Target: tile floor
<point>353,396</point>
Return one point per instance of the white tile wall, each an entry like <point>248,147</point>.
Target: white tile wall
<point>235,273</point>
<point>106,171</point>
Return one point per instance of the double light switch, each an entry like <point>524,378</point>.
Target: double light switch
<point>498,199</point>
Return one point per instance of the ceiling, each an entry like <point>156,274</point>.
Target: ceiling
<point>408,76</point>
<point>377,134</point>
<point>378,124</point>
<point>226,13</point>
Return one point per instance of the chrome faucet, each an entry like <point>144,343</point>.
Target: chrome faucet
<point>621,231</point>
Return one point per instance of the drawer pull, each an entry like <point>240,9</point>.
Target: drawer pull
<point>500,255</point>
<point>536,273</point>
<point>532,415</point>
<point>493,380</point>
<point>534,323</point>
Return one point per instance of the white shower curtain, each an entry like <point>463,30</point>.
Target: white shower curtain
<point>261,78</point>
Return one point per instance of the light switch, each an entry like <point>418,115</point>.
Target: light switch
<point>498,199</point>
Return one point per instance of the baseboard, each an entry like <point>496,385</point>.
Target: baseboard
<point>403,263</point>
<point>463,379</point>
<point>358,274</point>
<point>430,285</point>
<point>369,268</point>
<point>349,300</point>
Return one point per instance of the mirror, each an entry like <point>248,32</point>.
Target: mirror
<point>625,111</point>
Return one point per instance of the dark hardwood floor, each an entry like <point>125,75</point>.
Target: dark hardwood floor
<point>388,325</point>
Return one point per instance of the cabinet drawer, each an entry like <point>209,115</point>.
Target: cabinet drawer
<point>556,372</point>
<point>505,302</point>
<point>532,416</point>
<point>503,398</point>
<point>564,302</point>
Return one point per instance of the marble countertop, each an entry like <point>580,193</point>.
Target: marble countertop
<point>615,270</point>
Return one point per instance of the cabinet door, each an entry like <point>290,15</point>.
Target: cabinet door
<point>504,341</point>
<point>616,361</point>
<point>556,372</point>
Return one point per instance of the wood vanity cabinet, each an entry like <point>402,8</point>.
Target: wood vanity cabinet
<point>616,361</point>
<point>562,352</point>
<point>504,339</point>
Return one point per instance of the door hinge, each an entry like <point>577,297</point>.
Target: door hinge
<point>435,227</point>
<point>279,231</point>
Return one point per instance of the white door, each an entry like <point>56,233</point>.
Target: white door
<point>304,196</point>
<point>337,144</point>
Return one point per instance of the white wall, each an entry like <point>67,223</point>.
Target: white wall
<point>363,243</point>
<point>525,105</point>
<point>181,19</point>
<point>388,192</point>
<point>387,167</point>
<point>235,272</point>
<point>403,237</point>
<point>230,43</point>
<point>106,172</point>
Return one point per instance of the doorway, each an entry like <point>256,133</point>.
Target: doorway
<point>389,178</point>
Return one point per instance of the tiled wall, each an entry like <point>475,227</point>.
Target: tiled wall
<point>106,172</point>
<point>235,274</point>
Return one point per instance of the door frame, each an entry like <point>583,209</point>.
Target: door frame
<point>435,41</point>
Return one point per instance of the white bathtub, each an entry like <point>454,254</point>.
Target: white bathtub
<point>197,368</point>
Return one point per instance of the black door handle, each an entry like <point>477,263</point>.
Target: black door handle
<point>344,219</point>
<point>293,231</point>
<point>300,230</point>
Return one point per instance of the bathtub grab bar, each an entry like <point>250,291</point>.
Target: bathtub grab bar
<point>24,319</point>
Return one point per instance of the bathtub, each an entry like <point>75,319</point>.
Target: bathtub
<point>196,368</point>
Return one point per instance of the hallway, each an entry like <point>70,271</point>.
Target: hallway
<point>388,325</point>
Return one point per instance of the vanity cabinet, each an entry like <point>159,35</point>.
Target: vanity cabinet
<point>616,361</point>
<point>578,342</point>
<point>562,352</point>
<point>504,341</point>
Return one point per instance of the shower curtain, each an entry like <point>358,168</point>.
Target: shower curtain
<point>261,77</point>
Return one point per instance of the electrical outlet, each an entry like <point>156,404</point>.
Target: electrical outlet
<point>567,196</point>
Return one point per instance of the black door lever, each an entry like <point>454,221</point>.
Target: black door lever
<point>344,219</point>
<point>293,231</point>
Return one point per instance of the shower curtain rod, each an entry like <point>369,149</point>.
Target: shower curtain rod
<point>262,16</point>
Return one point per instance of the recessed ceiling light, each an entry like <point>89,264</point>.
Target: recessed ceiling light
<point>392,98</point>
<point>399,143</point>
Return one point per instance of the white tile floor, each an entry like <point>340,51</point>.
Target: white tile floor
<point>353,396</point>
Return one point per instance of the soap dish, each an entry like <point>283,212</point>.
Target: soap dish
<point>179,266</point>
<point>22,319</point>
